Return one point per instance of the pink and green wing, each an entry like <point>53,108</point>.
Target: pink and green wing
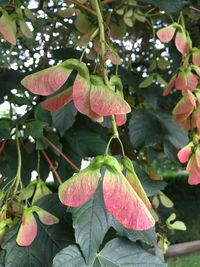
<point>124,204</point>
<point>81,98</point>
<point>8,28</point>
<point>136,184</point>
<point>58,101</point>
<point>79,188</point>
<point>192,81</point>
<point>196,57</point>
<point>28,229</point>
<point>106,102</point>
<point>194,171</point>
<point>166,34</point>
<point>195,121</point>
<point>197,155</point>
<point>170,86</point>
<point>46,217</point>
<point>182,110</point>
<point>181,43</point>
<point>121,119</point>
<point>181,81</point>
<point>184,153</point>
<point>48,81</point>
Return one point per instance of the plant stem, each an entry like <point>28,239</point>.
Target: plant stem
<point>108,145</point>
<point>19,167</point>
<point>114,127</point>
<point>38,164</point>
<point>182,20</point>
<point>94,34</point>
<point>62,154</point>
<point>105,75</point>
<point>102,39</point>
<point>52,167</point>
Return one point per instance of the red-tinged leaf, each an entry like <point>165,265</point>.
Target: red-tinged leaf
<point>194,171</point>
<point>123,202</point>
<point>121,119</point>
<point>181,43</point>
<point>196,57</point>
<point>58,101</point>
<point>106,102</point>
<point>181,81</point>
<point>79,188</point>
<point>47,81</point>
<point>166,34</point>
<point>46,217</point>
<point>8,28</point>
<point>197,155</point>
<point>170,86</point>
<point>184,153</point>
<point>28,229</point>
<point>81,98</point>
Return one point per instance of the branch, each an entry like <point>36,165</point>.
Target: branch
<point>194,8</point>
<point>52,167</point>
<point>88,9</point>
<point>62,154</point>
<point>2,145</point>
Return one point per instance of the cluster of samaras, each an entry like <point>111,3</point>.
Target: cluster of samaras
<point>186,79</point>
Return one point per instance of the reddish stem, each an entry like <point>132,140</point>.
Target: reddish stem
<point>194,8</point>
<point>2,145</point>
<point>52,167</point>
<point>63,155</point>
<point>87,8</point>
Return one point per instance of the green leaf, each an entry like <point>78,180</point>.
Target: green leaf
<point>123,253</point>
<point>41,114</point>
<point>90,143</point>
<point>91,222</point>
<point>148,236</point>
<point>151,187</point>
<point>146,82</point>
<point>64,118</point>
<point>35,129</point>
<point>70,256</point>
<point>119,252</point>
<point>149,128</point>
<point>169,6</point>
<point>5,125</point>
<point>144,128</point>
<point>163,63</point>
<point>174,132</point>
<point>49,240</point>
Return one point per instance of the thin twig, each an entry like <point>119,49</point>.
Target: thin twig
<point>194,8</point>
<point>2,145</point>
<point>52,167</point>
<point>78,3</point>
<point>62,154</point>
